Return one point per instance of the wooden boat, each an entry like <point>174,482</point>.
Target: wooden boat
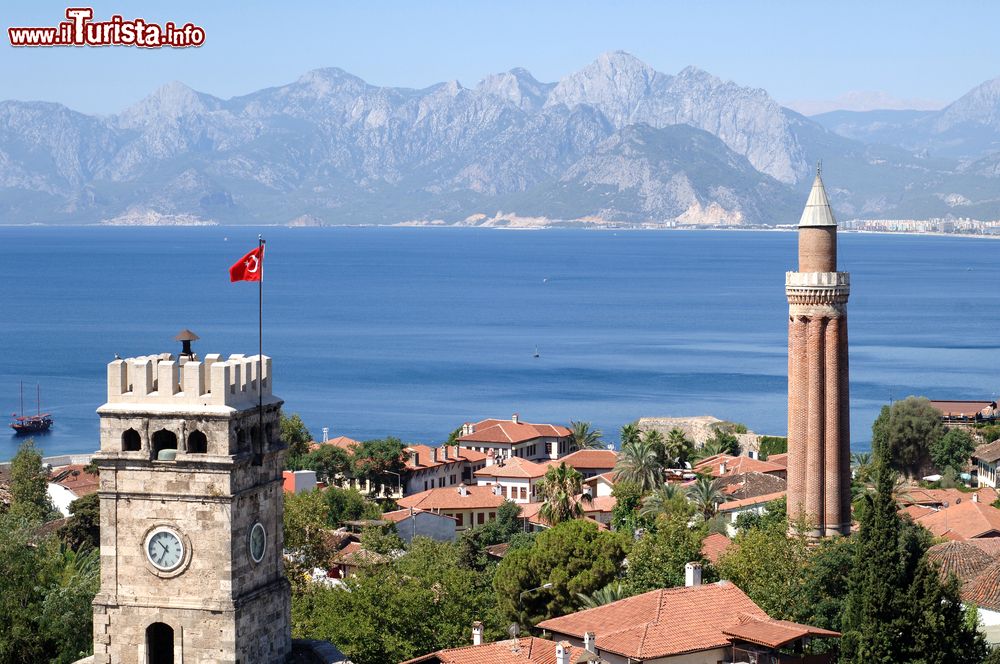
<point>24,425</point>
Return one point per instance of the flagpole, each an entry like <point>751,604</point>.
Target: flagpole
<point>258,454</point>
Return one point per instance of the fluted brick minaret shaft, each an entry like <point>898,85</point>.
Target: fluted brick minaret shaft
<point>819,475</point>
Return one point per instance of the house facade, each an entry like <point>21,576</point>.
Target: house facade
<point>469,505</point>
<point>437,467</point>
<point>515,438</point>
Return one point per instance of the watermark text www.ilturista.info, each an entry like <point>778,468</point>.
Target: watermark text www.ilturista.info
<point>81,30</point>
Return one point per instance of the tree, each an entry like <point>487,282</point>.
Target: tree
<point>29,484</point>
<point>296,438</point>
<point>630,433</point>
<point>558,492</point>
<point>657,560</point>
<point>625,514</point>
<point>83,529</point>
<point>725,441</point>
<point>574,556</point>
<point>378,461</point>
<point>666,500</point>
<point>421,602</point>
<point>330,462</point>
<point>638,463</point>
<point>896,607</point>
<point>768,445</point>
<point>585,438</point>
<point>706,494</point>
<point>606,595</point>
<point>382,540</point>
<point>501,529</point>
<point>907,430</point>
<point>348,505</point>
<point>774,515</point>
<point>952,450</point>
<point>654,440</point>
<point>679,447</point>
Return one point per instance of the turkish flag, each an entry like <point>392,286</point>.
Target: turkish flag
<point>248,268</point>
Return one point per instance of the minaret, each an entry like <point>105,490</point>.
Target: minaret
<point>819,480</point>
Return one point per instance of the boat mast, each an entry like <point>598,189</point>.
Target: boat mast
<point>21,385</point>
<point>38,399</point>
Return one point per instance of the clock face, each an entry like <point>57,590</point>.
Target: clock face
<point>258,542</point>
<point>165,549</point>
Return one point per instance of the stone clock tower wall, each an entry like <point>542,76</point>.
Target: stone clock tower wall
<point>178,452</point>
<point>819,474</point>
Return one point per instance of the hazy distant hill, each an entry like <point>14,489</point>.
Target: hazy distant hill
<point>614,141</point>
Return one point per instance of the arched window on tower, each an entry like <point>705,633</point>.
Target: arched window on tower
<point>159,644</point>
<point>241,440</point>
<point>131,441</point>
<point>164,440</point>
<point>197,443</point>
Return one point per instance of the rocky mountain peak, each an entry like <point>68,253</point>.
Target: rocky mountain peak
<point>516,86</point>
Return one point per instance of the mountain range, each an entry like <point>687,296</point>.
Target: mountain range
<point>616,142</point>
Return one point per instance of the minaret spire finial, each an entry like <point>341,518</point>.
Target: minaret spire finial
<point>819,167</point>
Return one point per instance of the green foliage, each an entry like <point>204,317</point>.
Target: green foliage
<point>767,565</point>
<point>422,602</point>
<point>657,560</point>
<point>83,529</point>
<point>28,484</point>
<point>705,494</point>
<point>501,529</point>
<point>639,463</point>
<point>606,595</point>
<point>896,608</point>
<point>311,514</point>
<point>382,540</point>
<point>739,427</point>
<point>774,516</point>
<point>575,557</point>
<point>375,460</point>
<point>630,433</point>
<point>666,501</point>
<point>952,450</point>
<point>585,438</point>
<point>330,462</point>
<point>772,445</point>
<point>906,430</point>
<point>680,448</point>
<point>557,492</point>
<point>45,596</point>
<point>823,586</point>
<point>724,441</point>
<point>296,438</point>
<point>625,515</point>
<point>348,505</point>
<point>993,657</point>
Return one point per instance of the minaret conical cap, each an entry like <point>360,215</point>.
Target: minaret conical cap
<point>818,211</point>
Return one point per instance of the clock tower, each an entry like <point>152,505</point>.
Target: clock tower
<point>191,513</point>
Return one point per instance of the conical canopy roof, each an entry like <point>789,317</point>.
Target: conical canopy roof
<point>818,211</point>
<point>186,335</point>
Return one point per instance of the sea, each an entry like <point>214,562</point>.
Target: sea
<point>409,332</point>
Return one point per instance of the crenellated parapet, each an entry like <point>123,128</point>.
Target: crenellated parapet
<point>817,293</point>
<point>237,382</point>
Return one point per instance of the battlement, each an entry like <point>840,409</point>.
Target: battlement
<point>165,380</point>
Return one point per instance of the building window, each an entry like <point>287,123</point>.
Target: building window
<point>440,482</point>
<point>425,485</point>
<point>159,644</point>
<point>493,515</point>
<point>197,443</point>
<point>458,516</point>
<point>131,441</point>
<point>524,493</point>
<point>453,479</point>
<point>163,440</point>
<point>480,518</point>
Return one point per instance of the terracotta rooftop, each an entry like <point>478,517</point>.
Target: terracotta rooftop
<point>984,591</point>
<point>747,502</point>
<point>963,559</point>
<point>77,480</point>
<point>962,408</point>
<point>450,498</point>
<point>446,455</point>
<point>736,465</point>
<point>989,452</point>
<point>512,651</point>
<point>990,545</point>
<point>781,459</point>
<point>749,485</point>
<point>939,497</point>
<point>356,555</point>
<point>509,431</point>
<point>713,546</point>
<point>965,520</point>
<point>343,442</point>
<point>514,467</point>
<point>773,633</point>
<point>589,459</point>
<point>399,515</point>
<point>530,512</point>
<point>661,623</point>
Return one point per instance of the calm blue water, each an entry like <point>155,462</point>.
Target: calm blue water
<point>410,332</point>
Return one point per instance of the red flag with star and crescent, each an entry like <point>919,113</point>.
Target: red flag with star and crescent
<point>250,267</point>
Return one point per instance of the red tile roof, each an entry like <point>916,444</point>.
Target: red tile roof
<point>509,431</point>
<point>662,623</point>
<point>514,467</point>
<point>397,516</point>
<point>962,408</point>
<point>780,459</point>
<point>773,633</point>
<point>988,452</point>
<point>963,559</point>
<point>713,546</point>
<point>425,457</point>
<point>77,480</point>
<point>736,465</point>
<point>589,459</point>
<point>531,513</point>
<point>747,502</point>
<point>529,650</point>
<point>965,520</point>
<point>449,498</point>
<point>938,497</point>
<point>984,591</point>
<point>343,442</point>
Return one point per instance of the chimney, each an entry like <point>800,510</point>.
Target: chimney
<point>497,489</point>
<point>975,497</point>
<point>588,641</point>
<point>414,461</point>
<point>753,454</point>
<point>722,468</point>
<point>562,652</point>
<point>434,454</point>
<point>477,633</point>
<point>490,454</point>
<point>326,434</point>
<point>513,418</point>
<point>462,491</point>
<point>458,454</point>
<point>692,574</point>
<point>468,429</point>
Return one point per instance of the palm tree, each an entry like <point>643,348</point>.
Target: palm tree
<point>654,439</point>
<point>609,593</point>
<point>706,495</point>
<point>679,446</point>
<point>664,500</point>
<point>585,438</point>
<point>710,448</point>
<point>558,491</point>
<point>630,433</point>
<point>638,462</point>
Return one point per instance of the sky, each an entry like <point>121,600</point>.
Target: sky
<point>925,53</point>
